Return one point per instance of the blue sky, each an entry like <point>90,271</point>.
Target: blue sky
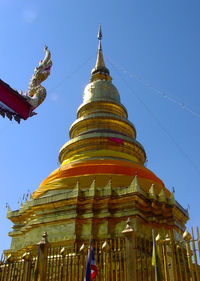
<point>158,41</point>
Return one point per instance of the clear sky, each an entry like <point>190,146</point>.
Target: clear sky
<point>158,41</point>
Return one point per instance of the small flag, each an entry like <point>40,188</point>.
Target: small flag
<point>91,268</point>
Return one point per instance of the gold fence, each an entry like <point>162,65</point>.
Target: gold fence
<point>128,258</point>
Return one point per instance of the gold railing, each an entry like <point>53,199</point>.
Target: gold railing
<point>64,265</point>
<point>128,258</point>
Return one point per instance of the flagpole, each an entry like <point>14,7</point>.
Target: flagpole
<point>155,260</point>
<point>90,242</point>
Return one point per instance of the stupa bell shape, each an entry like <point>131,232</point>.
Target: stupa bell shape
<point>102,140</point>
<point>102,179</point>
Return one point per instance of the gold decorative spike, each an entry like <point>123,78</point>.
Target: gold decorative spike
<point>26,204</point>
<point>77,190</point>
<point>9,211</point>
<point>135,187</point>
<point>152,193</point>
<point>108,188</point>
<point>21,208</point>
<point>92,190</point>
<point>171,199</point>
<point>162,196</point>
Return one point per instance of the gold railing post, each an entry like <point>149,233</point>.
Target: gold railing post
<point>171,257</point>
<point>131,251</point>
<point>27,266</point>
<point>174,273</point>
<point>64,268</point>
<point>10,261</point>
<point>162,256</point>
<point>83,254</point>
<point>187,237</point>
<point>180,266</point>
<point>106,262</point>
<point>195,256</point>
<point>42,257</point>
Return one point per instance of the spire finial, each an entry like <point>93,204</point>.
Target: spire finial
<point>99,36</point>
<point>100,71</point>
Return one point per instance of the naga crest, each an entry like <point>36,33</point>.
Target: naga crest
<point>36,92</point>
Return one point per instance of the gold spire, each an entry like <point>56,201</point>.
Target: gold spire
<point>100,60</point>
<point>100,71</point>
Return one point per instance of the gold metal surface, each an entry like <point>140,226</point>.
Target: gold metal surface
<point>101,90</point>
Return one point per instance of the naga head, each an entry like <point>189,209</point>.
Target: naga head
<point>36,92</point>
<point>43,70</point>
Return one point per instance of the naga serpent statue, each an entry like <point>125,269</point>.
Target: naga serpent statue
<point>37,93</point>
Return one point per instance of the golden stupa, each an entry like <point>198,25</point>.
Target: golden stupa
<point>102,179</point>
